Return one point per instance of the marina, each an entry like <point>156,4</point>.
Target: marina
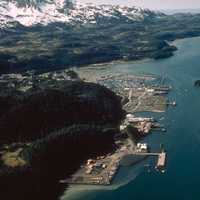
<point>138,93</point>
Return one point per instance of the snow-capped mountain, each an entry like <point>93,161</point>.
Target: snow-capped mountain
<point>32,12</point>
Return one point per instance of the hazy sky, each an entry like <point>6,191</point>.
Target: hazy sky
<point>152,4</point>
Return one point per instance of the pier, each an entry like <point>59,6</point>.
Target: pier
<point>161,162</point>
<point>162,88</point>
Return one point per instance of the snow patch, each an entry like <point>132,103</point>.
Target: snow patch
<point>57,11</point>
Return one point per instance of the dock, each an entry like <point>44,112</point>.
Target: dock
<point>162,88</point>
<point>161,162</point>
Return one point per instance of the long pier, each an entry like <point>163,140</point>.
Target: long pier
<point>161,162</point>
<point>147,154</point>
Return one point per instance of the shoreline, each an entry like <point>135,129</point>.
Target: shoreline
<point>120,61</point>
<point>105,188</point>
<point>178,130</point>
<point>100,65</point>
<point>104,175</point>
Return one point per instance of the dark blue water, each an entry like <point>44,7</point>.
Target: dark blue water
<point>182,140</point>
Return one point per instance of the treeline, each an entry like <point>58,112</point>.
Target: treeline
<point>53,158</point>
<point>29,116</point>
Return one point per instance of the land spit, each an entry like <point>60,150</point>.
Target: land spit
<point>101,170</point>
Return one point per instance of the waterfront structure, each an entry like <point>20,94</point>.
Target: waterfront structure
<point>161,160</point>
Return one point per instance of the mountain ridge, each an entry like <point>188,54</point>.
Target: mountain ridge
<point>86,34</point>
<point>33,12</point>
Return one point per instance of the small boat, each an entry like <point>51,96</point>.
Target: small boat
<point>164,130</point>
<point>162,118</point>
<point>174,103</point>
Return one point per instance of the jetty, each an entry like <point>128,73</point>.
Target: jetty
<point>161,162</point>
